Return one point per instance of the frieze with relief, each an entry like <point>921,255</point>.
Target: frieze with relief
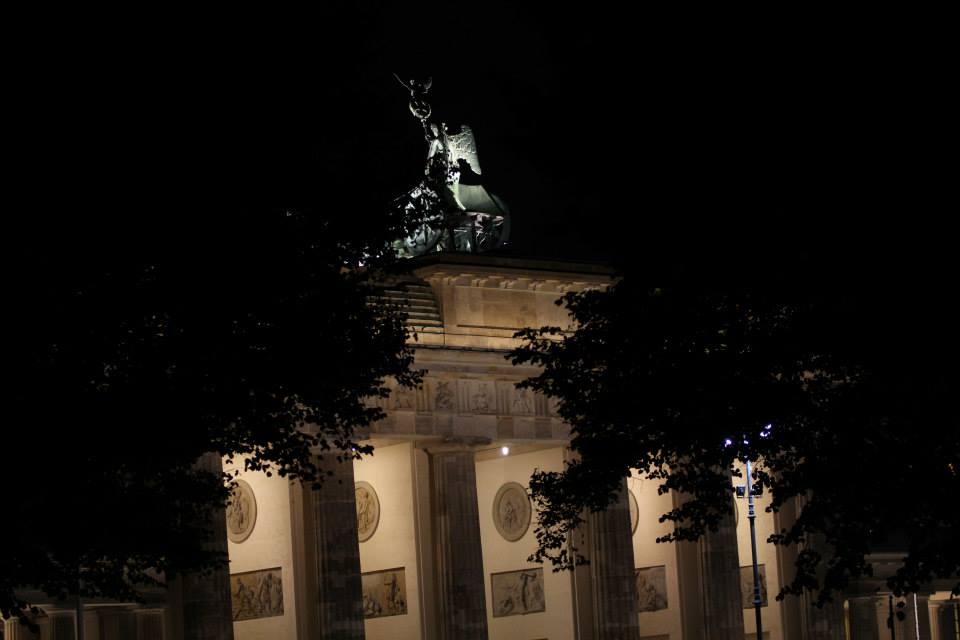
<point>403,399</point>
<point>471,396</point>
<point>384,593</point>
<point>517,592</point>
<point>444,394</point>
<point>521,402</point>
<point>478,397</point>
<point>256,594</point>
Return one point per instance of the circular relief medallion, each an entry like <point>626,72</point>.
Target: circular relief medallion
<point>511,511</point>
<point>634,511</point>
<point>368,510</point>
<point>241,512</point>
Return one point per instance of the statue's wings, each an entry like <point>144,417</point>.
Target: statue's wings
<point>462,146</point>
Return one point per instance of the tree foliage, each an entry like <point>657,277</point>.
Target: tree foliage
<point>256,337</point>
<point>680,382</point>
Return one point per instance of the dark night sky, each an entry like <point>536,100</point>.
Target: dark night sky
<point>610,136</point>
<point>681,151</point>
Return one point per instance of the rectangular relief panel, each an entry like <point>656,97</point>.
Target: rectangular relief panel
<point>651,588</point>
<point>256,594</point>
<point>384,593</point>
<point>515,593</point>
<point>478,397</point>
<point>746,585</point>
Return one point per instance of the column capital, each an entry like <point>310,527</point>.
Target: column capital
<point>455,444</point>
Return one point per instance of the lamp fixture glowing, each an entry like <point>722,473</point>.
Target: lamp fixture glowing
<point>504,451</point>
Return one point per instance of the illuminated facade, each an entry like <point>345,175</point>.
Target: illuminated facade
<point>428,539</point>
<point>437,559</point>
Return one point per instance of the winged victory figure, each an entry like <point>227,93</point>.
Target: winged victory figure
<point>457,213</point>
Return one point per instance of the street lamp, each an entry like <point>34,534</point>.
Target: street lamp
<point>752,516</point>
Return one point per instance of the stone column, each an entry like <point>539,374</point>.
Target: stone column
<point>207,613</point>
<point>581,583</point>
<point>615,615</point>
<point>690,578</point>
<point>864,618</point>
<point>91,624</point>
<point>462,611</point>
<point>826,622</point>
<point>918,618</point>
<point>303,540</point>
<point>337,553</point>
<point>116,624</point>
<point>13,630</point>
<point>720,568</point>
<point>62,625</point>
<point>149,623</point>
<point>948,624</point>
<point>797,622</point>
<point>423,535</point>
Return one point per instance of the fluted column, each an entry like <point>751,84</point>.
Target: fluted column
<point>946,615</point>
<point>61,625</point>
<point>149,623</point>
<point>116,624</point>
<point>612,571</point>
<point>720,568</point>
<point>207,613</point>
<point>13,630</point>
<point>826,622</point>
<point>460,586</point>
<point>917,621</point>
<point>338,553</point>
<point>864,618</point>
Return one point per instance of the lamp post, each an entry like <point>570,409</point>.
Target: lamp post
<point>752,517</point>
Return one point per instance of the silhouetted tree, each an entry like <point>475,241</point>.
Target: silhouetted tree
<point>135,352</point>
<point>673,381</point>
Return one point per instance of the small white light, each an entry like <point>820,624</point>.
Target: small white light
<point>504,451</point>
<point>727,442</point>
